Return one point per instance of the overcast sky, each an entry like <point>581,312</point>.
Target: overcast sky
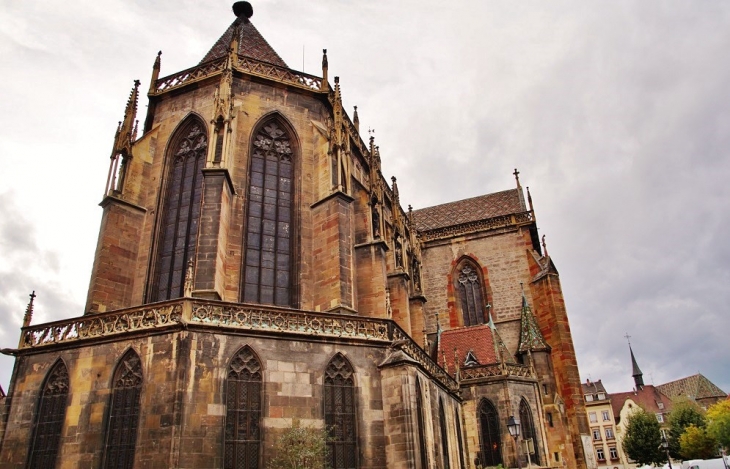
<point>617,115</point>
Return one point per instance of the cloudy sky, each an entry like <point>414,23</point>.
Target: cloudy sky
<point>617,115</point>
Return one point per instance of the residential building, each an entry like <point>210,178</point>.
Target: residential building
<point>602,425</point>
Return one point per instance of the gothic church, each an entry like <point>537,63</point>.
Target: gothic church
<point>255,270</point>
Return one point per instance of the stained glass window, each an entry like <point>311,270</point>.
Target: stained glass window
<point>268,260</point>
<point>528,429</point>
<point>468,285</point>
<point>243,411</point>
<point>421,425</point>
<point>181,210</point>
<point>49,418</point>
<point>123,415</point>
<point>490,445</point>
<point>444,435</point>
<point>339,413</point>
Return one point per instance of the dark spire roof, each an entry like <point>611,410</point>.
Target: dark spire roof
<point>637,374</point>
<point>250,44</point>
<point>531,338</point>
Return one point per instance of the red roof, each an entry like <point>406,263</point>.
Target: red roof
<point>477,339</point>
<point>468,210</point>
<point>250,44</point>
<point>647,398</point>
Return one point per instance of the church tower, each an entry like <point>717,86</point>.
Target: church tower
<point>256,271</point>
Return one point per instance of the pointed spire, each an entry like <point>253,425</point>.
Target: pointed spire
<point>531,338</point>
<point>356,121</point>
<point>325,84</point>
<point>500,349</point>
<point>155,73</point>
<point>529,199</point>
<point>635,371</point>
<point>124,137</point>
<point>29,310</point>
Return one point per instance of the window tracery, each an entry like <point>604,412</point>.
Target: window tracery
<point>123,415</point>
<point>181,211</point>
<point>243,411</point>
<point>490,444</point>
<point>268,260</point>
<point>49,418</point>
<point>339,413</point>
<point>469,290</point>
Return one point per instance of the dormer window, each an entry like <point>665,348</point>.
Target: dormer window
<point>589,397</point>
<point>601,396</point>
<point>660,405</point>
<point>470,359</point>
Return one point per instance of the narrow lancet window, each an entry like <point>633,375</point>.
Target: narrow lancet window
<point>489,440</point>
<point>243,411</point>
<point>181,210</point>
<point>339,413</point>
<point>268,260</point>
<point>421,425</point>
<point>48,423</point>
<point>528,430</point>
<point>468,285</point>
<point>123,414</point>
<point>444,435</point>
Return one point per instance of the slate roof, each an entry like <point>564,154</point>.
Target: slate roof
<point>647,398</point>
<point>477,339</point>
<point>468,210</point>
<point>250,44</point>
<point>593,387</point>
<point>695,386</point>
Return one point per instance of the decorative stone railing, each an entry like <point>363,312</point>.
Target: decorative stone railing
<point>245,65</point>
<point>503,221</point>
<point>221,316</point>
<point>496,369</point>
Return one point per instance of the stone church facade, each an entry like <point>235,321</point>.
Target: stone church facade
<point>255,270</point>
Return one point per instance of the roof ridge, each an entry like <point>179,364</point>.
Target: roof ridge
<point>464,200</point>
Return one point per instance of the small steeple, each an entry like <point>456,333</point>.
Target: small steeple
<point>29,310</point>
<point>635,371</point>
<point>531,339</point>
<point>356,121</point>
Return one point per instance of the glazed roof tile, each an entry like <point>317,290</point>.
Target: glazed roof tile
<point>696,386</point>
<point>250,44</point>
<point>468,210</point>
<point>477,339</point>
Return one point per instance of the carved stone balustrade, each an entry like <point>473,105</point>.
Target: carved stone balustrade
<point>474,373</point>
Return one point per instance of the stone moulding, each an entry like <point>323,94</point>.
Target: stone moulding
<point>489,371</point>
<point>245,65</point>
<point>515,219</point>
<point>219,316</point>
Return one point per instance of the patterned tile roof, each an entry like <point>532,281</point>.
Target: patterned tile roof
<point>250,44</point>
<point>477,339</point>
<point>647,398</point>
<point>469,210</point>
<point>695,386</point>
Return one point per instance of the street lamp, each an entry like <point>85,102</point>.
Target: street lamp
<point>513,425</point>
<point>665,445</point>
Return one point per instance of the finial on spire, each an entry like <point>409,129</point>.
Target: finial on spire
<point>29,310</point>
<point>356,121</point>
<point>517,177</point>
<point>544,246</point>
<point>529,199</point>
<point>243,10</point>
<point>155,73</point>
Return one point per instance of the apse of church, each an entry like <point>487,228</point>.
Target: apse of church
<point>256,270</point>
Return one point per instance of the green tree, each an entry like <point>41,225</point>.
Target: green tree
<point>684,413</point>
<point>718,422</point>
<point>696,443</point>
<point>642,441</point>
<point>301,448</point>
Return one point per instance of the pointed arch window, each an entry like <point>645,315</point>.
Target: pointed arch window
<point>469,288</point>
<point>50,414</point>
<point>268,259</point>
<point>243,411</point>
<point>180,210</point>
<point>444,435</point>
<point>528,429</point>
<point>123,414</point>
<point>490,444</point>
<point>459,437</point>
<point>340,413</point>
<point>421,425</point>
